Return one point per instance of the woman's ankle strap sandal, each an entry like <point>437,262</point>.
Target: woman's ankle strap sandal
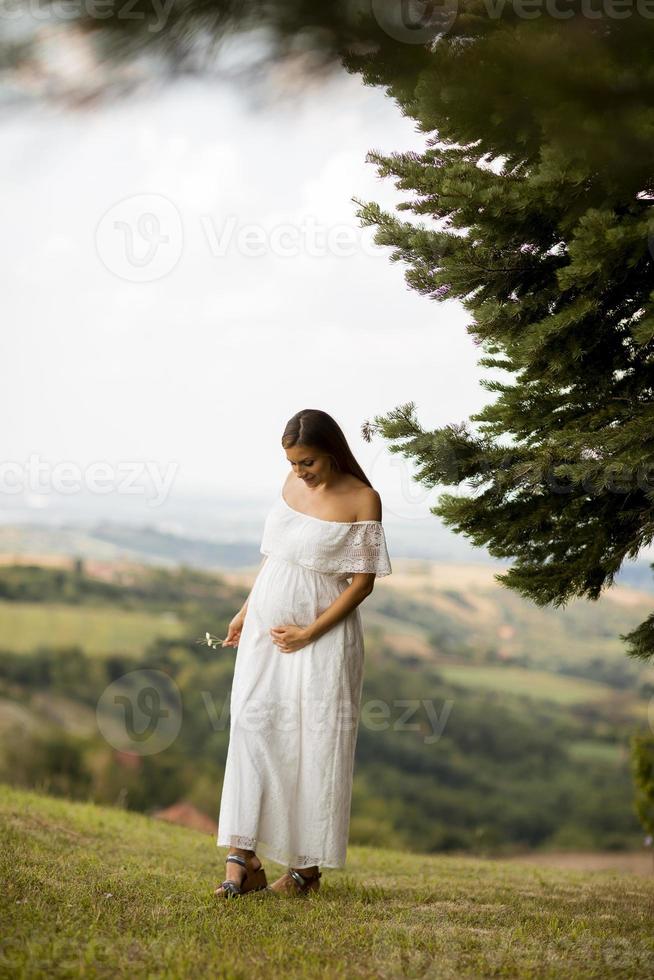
<point>231,888</point>
<point>303,881</point>
<point>252,880</point>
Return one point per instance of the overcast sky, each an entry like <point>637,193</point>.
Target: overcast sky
<point>184,271</point>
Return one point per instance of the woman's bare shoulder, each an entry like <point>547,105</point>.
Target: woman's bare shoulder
<point>368,504</point>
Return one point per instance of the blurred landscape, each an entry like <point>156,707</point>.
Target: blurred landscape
<point>489,725</point>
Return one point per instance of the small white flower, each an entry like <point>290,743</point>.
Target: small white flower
<point>210,640</point>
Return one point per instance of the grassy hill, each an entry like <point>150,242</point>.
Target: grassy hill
<point>95,891</point>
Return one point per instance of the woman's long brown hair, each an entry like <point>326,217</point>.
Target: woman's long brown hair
<point>311,427</point>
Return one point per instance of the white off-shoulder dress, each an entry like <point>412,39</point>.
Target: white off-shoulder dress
<point>294,717</point>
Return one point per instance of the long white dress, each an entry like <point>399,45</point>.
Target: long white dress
<point>294,717</point>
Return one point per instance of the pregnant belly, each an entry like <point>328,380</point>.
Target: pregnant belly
<point>286,594</point>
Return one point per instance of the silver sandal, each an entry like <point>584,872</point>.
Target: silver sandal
<point>303,882</point>
<point>253,881</point>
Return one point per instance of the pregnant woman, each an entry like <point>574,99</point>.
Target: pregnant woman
<point>298,675</point>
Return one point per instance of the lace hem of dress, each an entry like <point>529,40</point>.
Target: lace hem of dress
<point>293,861</point>
<point>245,843</point>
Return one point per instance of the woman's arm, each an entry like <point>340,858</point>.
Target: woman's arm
<point>361,586</point>
<point>369,509</point>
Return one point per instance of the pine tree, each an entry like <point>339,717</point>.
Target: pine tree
<point>537,178</point>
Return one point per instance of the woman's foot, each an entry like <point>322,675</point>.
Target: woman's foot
<point>238,874</point>
<point>288,884</point>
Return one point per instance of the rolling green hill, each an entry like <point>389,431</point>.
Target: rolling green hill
<point>536,706</point>
<point>462,612</point>
<point>97,892</point>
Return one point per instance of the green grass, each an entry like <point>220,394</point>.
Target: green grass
<point>521,680</point>
<point>97,892</point>
<point>26,625</point>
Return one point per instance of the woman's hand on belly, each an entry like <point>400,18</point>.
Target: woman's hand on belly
<point>290,638</point>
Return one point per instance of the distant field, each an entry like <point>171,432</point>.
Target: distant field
<point>588,750</point>
<point>624,862</point>
<point>26,625</point>
<point>519,680</point>
<point>484,614</point>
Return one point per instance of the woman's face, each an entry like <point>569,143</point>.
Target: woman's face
<point>309,464</point>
